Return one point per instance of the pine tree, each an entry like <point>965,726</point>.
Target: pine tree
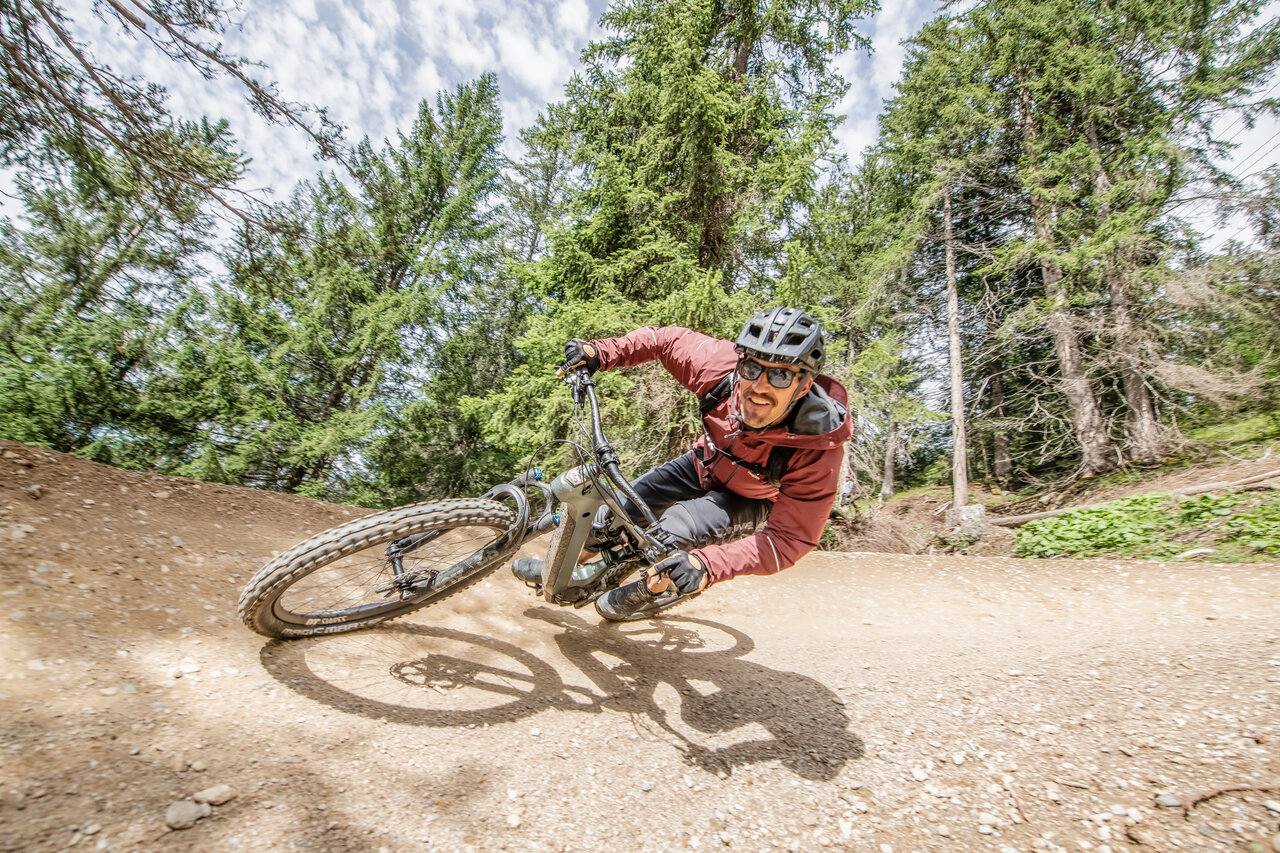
<point>1071,127</point>
<point>95,281</point>
<point>332,336</point>
<point>698,133</point>
<point>700,129</point>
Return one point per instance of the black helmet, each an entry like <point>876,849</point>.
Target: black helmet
<point>785,335</point>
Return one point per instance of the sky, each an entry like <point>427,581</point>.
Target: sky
<point>371,62</point>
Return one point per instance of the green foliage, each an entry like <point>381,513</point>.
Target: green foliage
<point>393,336</point>
<point>699,126</point>
<point>533,404</point>
<point>327,358</point>
<point>1063,132</point>
<point>94,282</point>
<point>699,129</point>
<point>1234,432</point>
<point>1243,526</point>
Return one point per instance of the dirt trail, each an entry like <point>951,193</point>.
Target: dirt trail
<point>863,702</point>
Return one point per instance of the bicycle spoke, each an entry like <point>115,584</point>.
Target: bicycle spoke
<point>353,581</point>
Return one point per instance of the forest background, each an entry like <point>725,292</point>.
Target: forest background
<point>1011,276</point>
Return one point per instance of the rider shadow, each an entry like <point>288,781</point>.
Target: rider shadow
<point>805,719</point>
<point>419,675</point>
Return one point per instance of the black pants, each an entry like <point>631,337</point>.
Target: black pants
<point>692,515</point>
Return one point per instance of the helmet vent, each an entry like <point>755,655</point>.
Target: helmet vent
<point>784,335</point>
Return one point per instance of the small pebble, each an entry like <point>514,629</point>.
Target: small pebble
<point>217,795</point>
<point>182,814</point>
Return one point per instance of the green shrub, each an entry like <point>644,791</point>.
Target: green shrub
<point>1243,526</point>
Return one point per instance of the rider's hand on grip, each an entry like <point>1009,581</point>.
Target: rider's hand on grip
<point>581,354</point>
<point>685,571</point>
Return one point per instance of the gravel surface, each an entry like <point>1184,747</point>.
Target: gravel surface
<point>868,702</point>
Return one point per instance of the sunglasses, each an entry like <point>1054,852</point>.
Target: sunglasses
<point>779,377</point>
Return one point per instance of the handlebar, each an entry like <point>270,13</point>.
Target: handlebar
<point>584,389</point>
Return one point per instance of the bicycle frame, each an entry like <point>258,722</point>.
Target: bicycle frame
<point>572,500</point>
<point>577,493</point>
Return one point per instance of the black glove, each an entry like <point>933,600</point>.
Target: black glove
<point>686,572</point>
<point>581,354</point>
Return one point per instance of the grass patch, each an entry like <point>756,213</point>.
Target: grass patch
<point>928,490</point>
<point>1257,428</point>
<point>1242,527</point>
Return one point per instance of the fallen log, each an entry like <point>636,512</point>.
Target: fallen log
<point>1019,520</point>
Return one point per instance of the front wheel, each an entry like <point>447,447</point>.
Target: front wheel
<point>378,567</point>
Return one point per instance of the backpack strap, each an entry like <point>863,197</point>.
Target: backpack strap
<point>771,471</point>
<point>716,395</point>
<point>779,457</point>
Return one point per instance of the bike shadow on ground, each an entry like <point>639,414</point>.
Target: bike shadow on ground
<point>731,712</point>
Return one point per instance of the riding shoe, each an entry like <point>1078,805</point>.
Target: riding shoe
<point>626,600</point>
<point>528,569</point>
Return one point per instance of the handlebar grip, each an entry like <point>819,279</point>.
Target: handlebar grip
<point>564,369</point>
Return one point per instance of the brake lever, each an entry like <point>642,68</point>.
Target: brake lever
<point>656,547</point>
<point>577,378</point>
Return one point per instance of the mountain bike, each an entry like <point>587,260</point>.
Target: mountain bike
<point>391,563</point>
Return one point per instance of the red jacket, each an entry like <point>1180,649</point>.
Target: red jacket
<point>818,427</point>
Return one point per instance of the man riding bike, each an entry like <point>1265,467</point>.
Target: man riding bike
<point>774,431</point>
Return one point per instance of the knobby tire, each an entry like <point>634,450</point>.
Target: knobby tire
<point>355,551</point>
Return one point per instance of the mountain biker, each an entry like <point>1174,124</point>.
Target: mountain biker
<point>774,431</point>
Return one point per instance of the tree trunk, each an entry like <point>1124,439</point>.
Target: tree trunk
<point>999,437</point>
<point>1141,428</point>
<point>959,449</point>
<point>845,468</point>
<point>1086,417</point>
<point>890,451</point>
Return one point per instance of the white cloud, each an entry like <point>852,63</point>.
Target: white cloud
<point>543,68</point>
<point>426,80</point>
<point>872,75</point>
<point>372,61</point>
<point>573,17</point>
